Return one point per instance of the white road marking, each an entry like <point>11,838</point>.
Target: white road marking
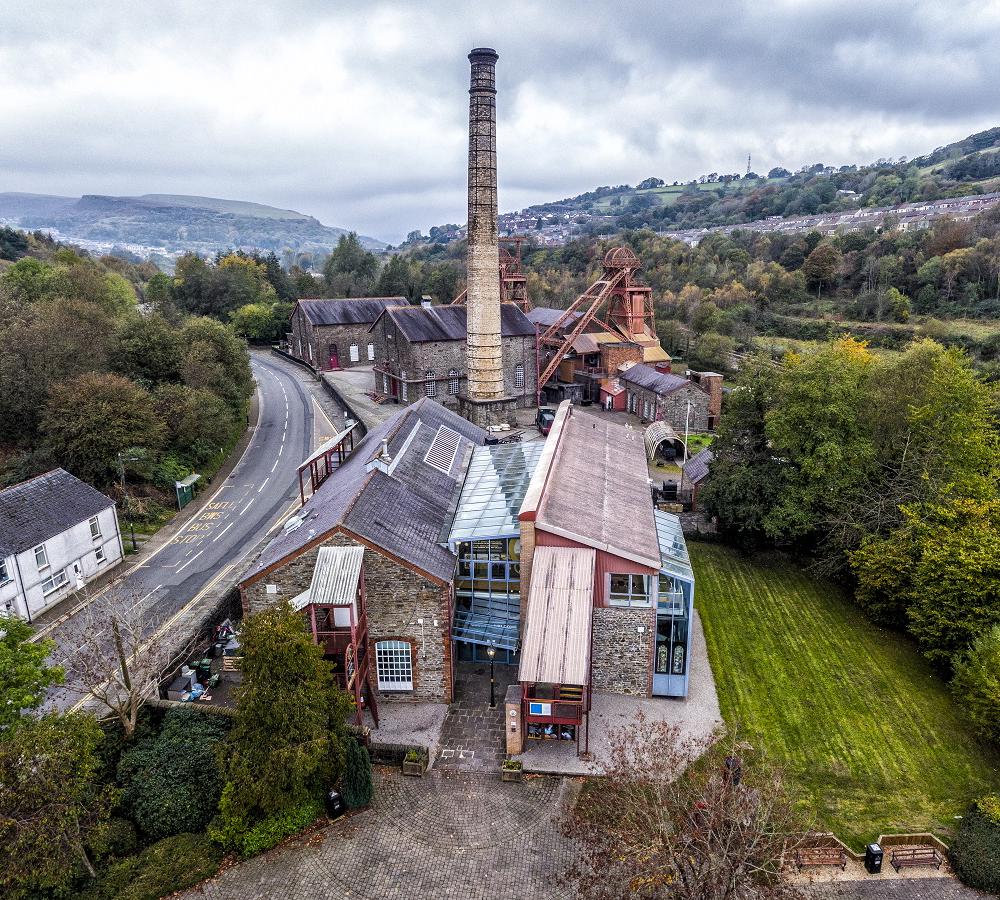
<point>224,530</point>
<point>191,560</point>
<point>266,480</point>
<point>245,508</point>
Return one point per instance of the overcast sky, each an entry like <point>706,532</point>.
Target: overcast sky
<point>356,113</point>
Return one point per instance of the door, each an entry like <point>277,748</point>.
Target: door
<point>334,358</point>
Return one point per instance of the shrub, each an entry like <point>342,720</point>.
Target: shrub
<point>358,787</point>
<point>172,781</point>
<point>173,864</point>
<point>268,832</point>
<point>975,854</point>
<point>976,684</point>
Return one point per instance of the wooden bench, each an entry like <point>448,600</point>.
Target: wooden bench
<point>916,856</point>
<point>821,856</point>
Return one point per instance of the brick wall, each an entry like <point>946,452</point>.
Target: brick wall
<point>621,657</point>
<point>397,598</point>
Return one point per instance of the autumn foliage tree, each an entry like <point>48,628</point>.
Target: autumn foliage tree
<point>661,823</point>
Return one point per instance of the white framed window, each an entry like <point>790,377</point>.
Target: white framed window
<point>404,388</point>
<point>355,353</point>
<point>629,590</point>
<point>99,553</point>
<point>430,385</point>
<point>519,377</point>
<point>371,353</point>
<point>55,581</point>
<point>41,557</point>
<point>95,528</point>
<point>453,382</point>
<point>394,665</point>
<point>4,574</point>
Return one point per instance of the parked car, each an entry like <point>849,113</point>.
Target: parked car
<point>544,419</point>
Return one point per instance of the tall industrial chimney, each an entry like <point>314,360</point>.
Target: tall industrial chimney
<point>483,298</point>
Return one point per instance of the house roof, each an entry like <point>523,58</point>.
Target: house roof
<point>592,487</point>
<point>647,377</point>
<point>402,511</point>
<point>42,507</point>
<point>448,323</point>
<point>696,468</point>
<point>556,647</point>
<point>346,310</point>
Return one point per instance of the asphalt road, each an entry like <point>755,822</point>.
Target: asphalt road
<point>260,489</point>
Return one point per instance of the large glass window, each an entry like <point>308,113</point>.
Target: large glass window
<point>629,590</point>
<point>394,665</point>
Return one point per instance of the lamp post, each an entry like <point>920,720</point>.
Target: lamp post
<point>491,652</point>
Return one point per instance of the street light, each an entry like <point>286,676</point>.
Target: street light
<point>491,652</point>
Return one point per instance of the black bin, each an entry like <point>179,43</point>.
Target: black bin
<point>335,806</point>
<point>873,858</point>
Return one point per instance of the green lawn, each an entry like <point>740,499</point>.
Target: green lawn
<point>869,737</point>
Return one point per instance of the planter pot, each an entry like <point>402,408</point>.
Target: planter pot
<point>511,774</point>
<point>414,768</point>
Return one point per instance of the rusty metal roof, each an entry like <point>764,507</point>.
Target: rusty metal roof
<point>556,645</point>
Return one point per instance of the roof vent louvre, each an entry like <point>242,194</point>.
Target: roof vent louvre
<point>443,448</point>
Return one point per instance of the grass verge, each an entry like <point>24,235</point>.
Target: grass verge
<point>869,736</point>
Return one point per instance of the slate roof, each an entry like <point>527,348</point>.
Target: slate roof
<point>448,323</point>
<point>346,310</point>
<point>696,468</point>
<point>35,510</point>
<point>647,377</point>
<point>402,511</point>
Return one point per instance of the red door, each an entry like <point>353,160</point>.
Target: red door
<point>334,359</point>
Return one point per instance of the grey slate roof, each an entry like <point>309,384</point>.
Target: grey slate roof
<point>647,377</point>
<point>35,510</point>
<point>347,310</point>
<point>403,511</point>
<point>448,323</point>
<point>696,468</point>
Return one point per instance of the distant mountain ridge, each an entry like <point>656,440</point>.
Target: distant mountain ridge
<point>172,223</point>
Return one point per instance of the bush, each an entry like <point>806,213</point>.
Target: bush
<point>976,684</point>
<point>172,782</point>
<point>173,864</point>
<point>975,854</point>
<point>358,787</point>
<point>269,832</point>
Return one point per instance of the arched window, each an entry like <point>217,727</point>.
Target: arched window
<point>453,382</point>
<point>430,385</point>
<point>518,377</point>
<point>404,388</point>
<point>394,666</point>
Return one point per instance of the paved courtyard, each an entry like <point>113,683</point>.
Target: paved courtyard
<point>447,835</point>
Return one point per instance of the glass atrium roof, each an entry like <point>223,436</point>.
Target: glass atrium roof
<point>673,551</point>
<point>495,484</point>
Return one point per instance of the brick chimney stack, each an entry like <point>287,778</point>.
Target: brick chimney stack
<point>483,298</point>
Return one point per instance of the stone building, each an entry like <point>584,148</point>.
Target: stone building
<point>694,403</point>
<point>391,497</point>
<point>420,351</point>
<point>333,333</point>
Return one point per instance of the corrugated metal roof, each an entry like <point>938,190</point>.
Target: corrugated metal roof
<point>658,382</point>
<point>346,310</point>
<point>42,507</point>
<point>448,323</point>
<point>696,468</point>
<point>556,647</point>
<point>656,434</point>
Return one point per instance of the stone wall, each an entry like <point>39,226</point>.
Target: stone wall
<point>621,657</point>
<point>397,598</point>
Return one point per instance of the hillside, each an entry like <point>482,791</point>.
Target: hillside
<point>966,167</point>
<point>169,224</point>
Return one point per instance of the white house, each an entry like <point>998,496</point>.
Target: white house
<point>56,534</point>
